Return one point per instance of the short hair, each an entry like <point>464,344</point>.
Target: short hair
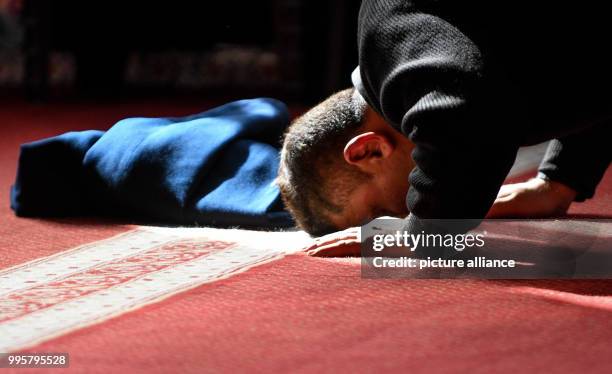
<point>313,178</point>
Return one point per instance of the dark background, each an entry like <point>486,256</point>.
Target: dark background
<point>294,50</point>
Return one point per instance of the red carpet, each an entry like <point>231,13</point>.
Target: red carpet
<point>313,315</point>
<point>304,314</point>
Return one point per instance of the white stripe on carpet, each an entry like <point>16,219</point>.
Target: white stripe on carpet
<point>49,297</point>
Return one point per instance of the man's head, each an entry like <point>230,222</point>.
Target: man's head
<point>342,165</point>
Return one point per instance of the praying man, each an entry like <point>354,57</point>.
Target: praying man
<point>444,95</point>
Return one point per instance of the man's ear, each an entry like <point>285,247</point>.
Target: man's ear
<point>367,149</point>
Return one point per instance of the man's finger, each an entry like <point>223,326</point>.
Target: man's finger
<point>506,198</point>
<point>344,250</point>
<point>506,190</point>
<point>348,234</point>
<point>318,244</point>
<point>329,246</point>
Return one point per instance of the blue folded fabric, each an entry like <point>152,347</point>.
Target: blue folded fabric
<point>214,168</point>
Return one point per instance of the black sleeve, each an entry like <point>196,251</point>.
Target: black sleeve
<point>428,79</point>
<point>579,160</point>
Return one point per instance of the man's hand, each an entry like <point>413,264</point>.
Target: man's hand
<point>338,244</point>
<point>535,198</point>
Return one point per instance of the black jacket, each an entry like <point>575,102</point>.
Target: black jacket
<point>470,81</point>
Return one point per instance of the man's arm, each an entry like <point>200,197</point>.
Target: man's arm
<point>429,79</point>
<point>570,171</point>
<point>579,160</point>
